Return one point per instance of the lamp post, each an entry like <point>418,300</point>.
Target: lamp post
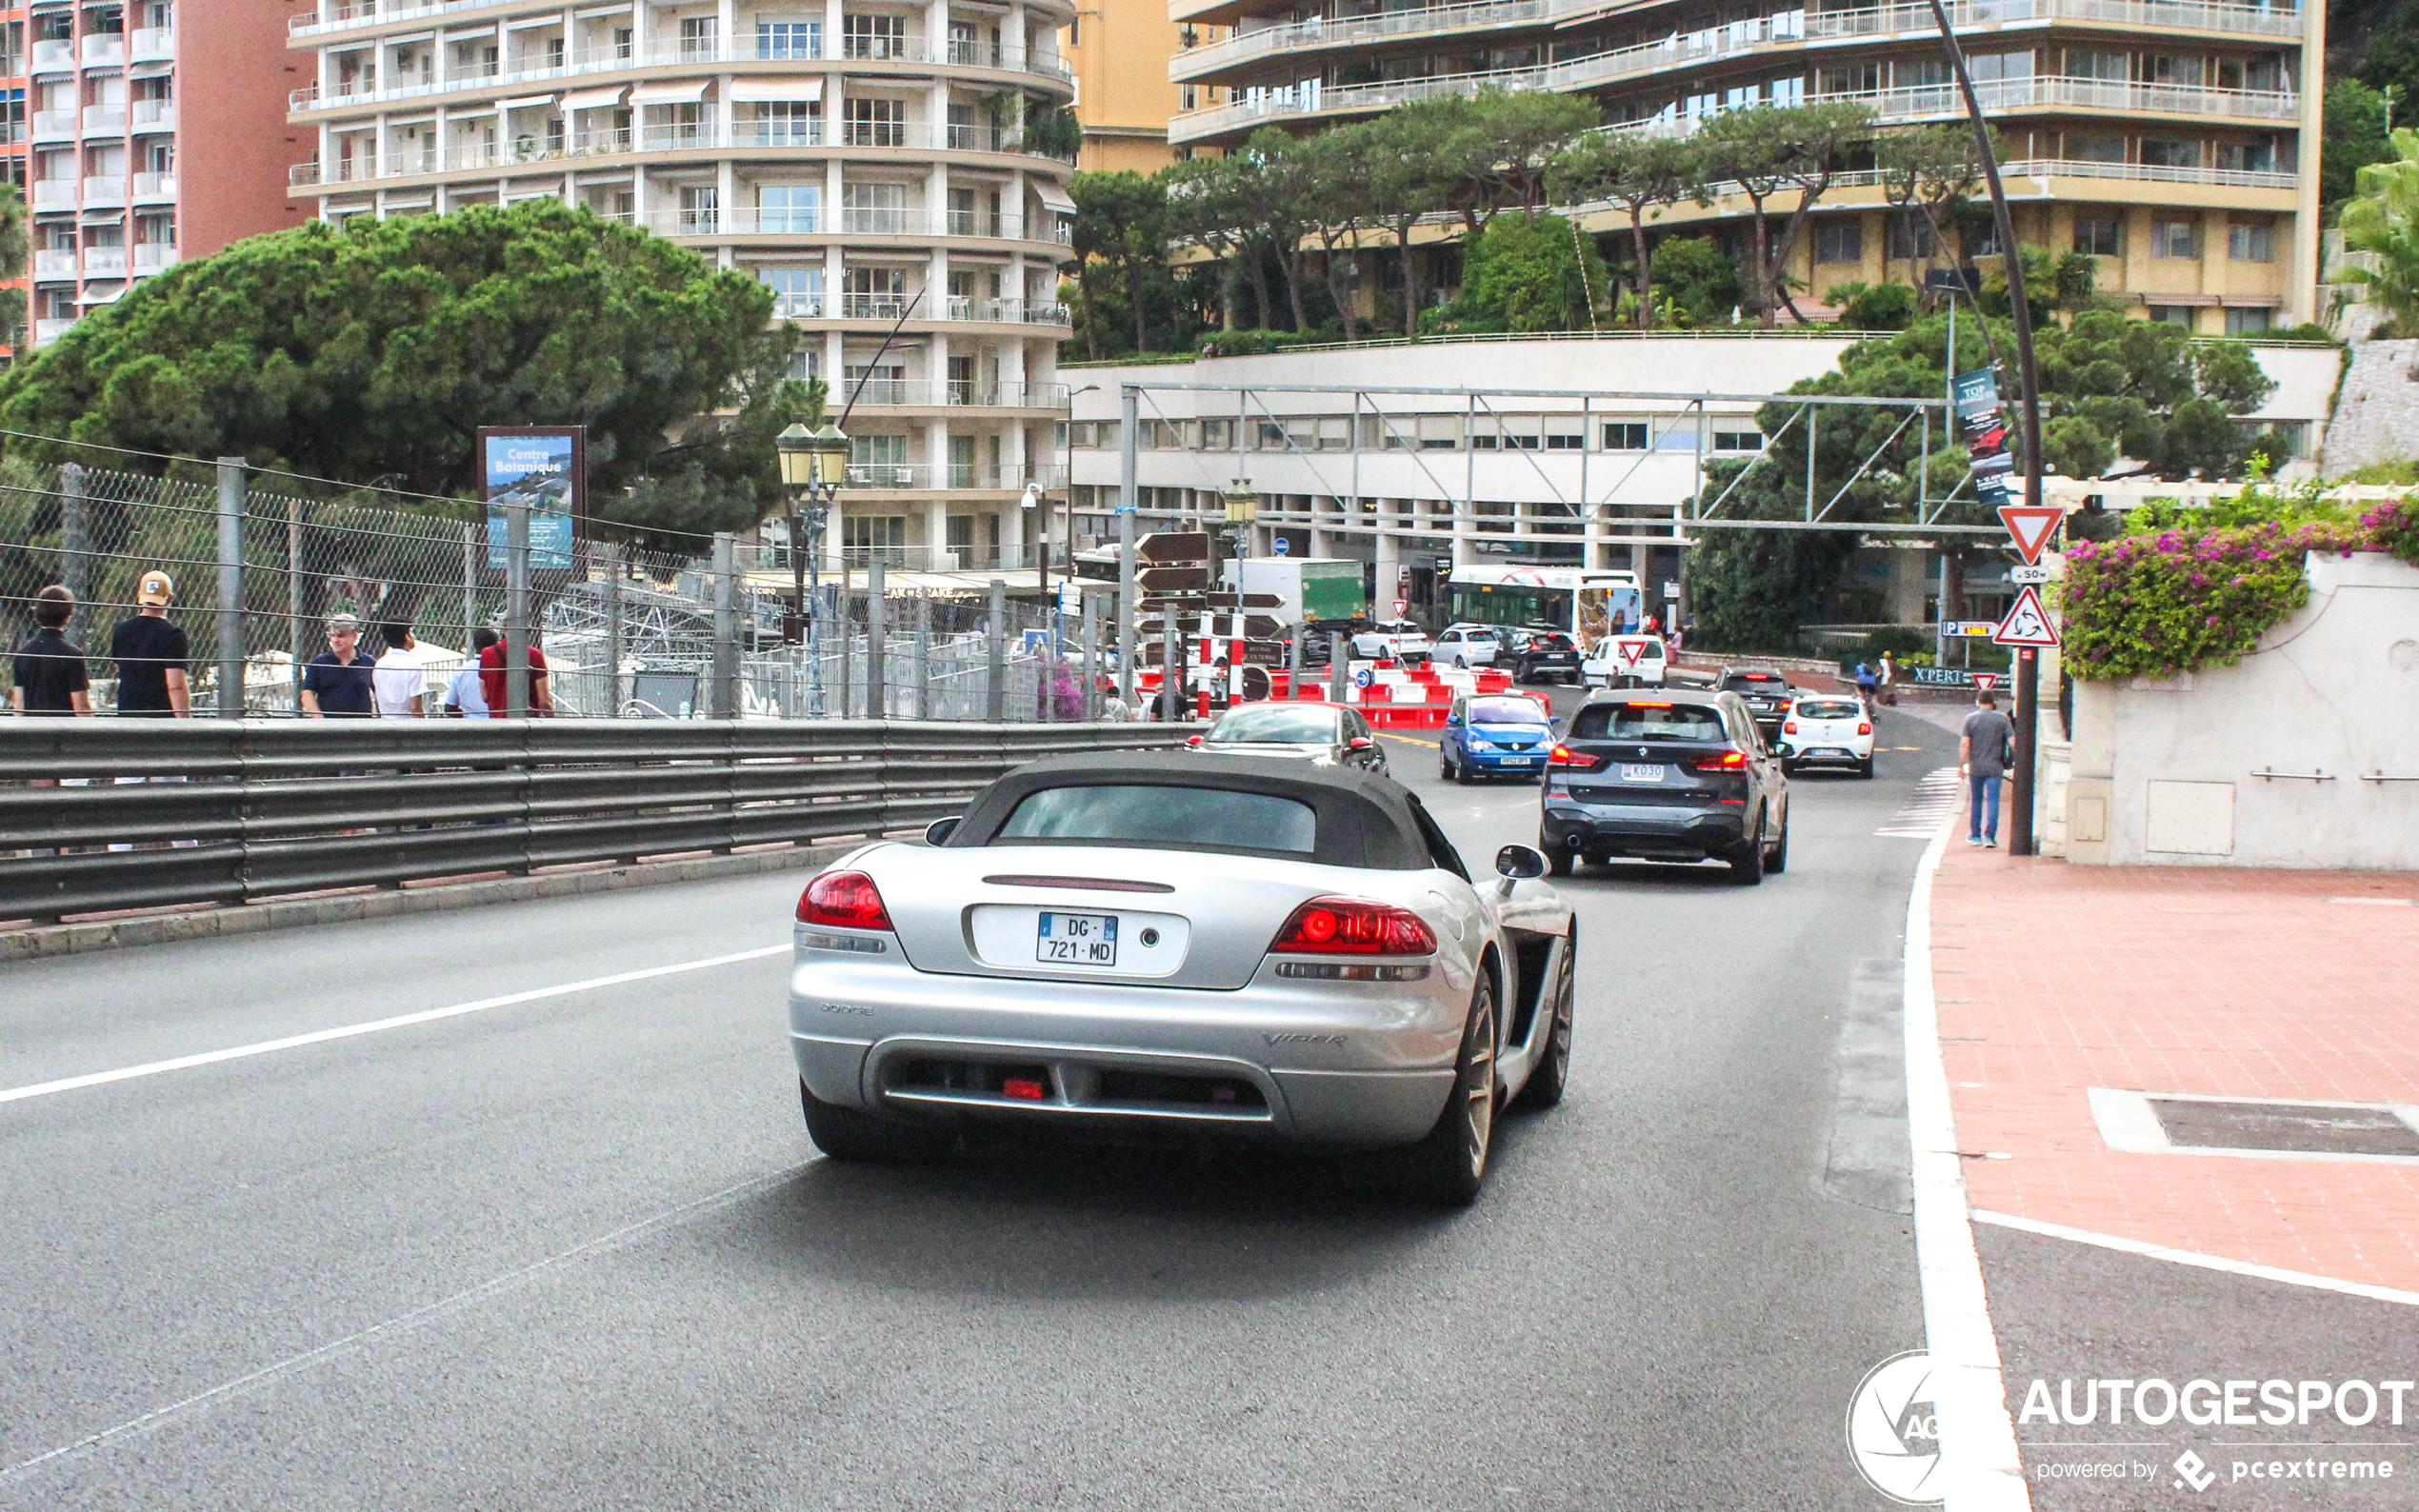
<point>814,464</point>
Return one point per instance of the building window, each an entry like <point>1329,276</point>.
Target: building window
<point>700,210</point>
<point>2160,151</point>
<point>874,209</point>
<point>1625,435</point>
<point>875,36</point>
<point>2249,322</point>
<point>865,537</point>
<point>2115,68</point>
<point>1981,239</point>
<point>789,209</point>
<point>790,123</point>
<point>2092,148</point>
<point>1910,236</point>
<point>788,39</point>
<point>2247,157</point>
<point>797,292</point>
<point>2173,315</point>
<point>2251,241</point>
<point>1839,241</point>
<point>697,39</point>
<point>1738,441</point>
<point>2099,235</point>
<point>2175,238</point>
<point>876,122</point>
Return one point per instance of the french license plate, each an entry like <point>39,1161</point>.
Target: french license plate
<point>1077,939</point>
<point>1520,761</point>
<point>1640,774</point>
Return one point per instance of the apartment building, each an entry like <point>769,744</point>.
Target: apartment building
<point>12,151</point>
<point>2177,141</point>
<point>862,158</point>
<point>1123,97</point>
<point>114,90</point>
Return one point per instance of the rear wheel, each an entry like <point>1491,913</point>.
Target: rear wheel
<point>1543,1088</point>
<point>1865,767</point>
<point>1560,860</point>
<point>1450,1165</point>
<point>1778,860</point>
<point>1746,867</point>
<point>845,1134</point>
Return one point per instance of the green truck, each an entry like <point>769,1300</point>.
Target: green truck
<point>1308,590</point>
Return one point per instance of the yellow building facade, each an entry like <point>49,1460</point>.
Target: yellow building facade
<point>1122,94</point>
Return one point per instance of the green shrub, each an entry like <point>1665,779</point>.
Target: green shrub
<point>1874,306</point>
<point>2157,604</point>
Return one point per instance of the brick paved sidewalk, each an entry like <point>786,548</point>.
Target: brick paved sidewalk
<point>2053,979</point>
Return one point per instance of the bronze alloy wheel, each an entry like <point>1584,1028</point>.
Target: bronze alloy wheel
<point>1450,1165</point>
<point>1544,1086</point>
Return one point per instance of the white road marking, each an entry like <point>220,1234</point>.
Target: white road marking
<point>159,1416</point>
<point>1938,795</point>
<point>2188,1257</point>
<point>401,1021</point>
<point>1980,1467</point>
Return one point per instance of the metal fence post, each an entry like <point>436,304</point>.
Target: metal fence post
<point>1092,655</point>
<point>725,668</point>
<point>75,562</point>
<point>1171,672</point>
<point>877,625</point>
<point>924,656</point>
<point>1336,670</point>
<point>995,680</point>
<point>294,599</point>
<point>230,588</point>
<point>1128,455</point>
<point>470,584</point>
<point>848,641</point>
<point>516,605</point>
<point>611,556</point>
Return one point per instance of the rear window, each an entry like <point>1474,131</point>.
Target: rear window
<point>1202,818</point>
<point>1276,724</point>
<point>1829,709</point>
<point>1505,711</point>
<point>1649,722</point>
<point>1757,681</point>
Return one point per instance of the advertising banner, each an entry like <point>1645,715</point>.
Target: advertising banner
<point>1984,424</point>
<point>545,466</point>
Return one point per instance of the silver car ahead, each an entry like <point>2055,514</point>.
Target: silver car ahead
<point>1220,946</point>
<point>1322,734</point>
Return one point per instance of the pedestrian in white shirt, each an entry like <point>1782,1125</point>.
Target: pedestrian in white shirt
<point>466,696</point>
<point>400,680</point>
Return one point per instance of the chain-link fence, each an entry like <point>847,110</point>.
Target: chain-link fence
<point>623,631</point>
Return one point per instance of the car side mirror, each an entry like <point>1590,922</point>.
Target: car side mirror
<point>1520,863</point>
<point>939,830</point>
<point>1359,742</point>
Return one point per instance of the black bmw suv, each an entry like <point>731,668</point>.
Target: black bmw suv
<point>1765,692</point>
<point>1665,775</point>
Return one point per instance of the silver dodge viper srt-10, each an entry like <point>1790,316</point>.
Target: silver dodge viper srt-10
<point>1225,945</point>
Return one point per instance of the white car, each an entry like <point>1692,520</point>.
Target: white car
<point>1391,639</point>
<point>1208,946</point>
<point>1630,660</point>
<point>1468,646</point>
<point>1827,729</point>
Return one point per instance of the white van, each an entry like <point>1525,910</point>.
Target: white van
<point>1625,661</point>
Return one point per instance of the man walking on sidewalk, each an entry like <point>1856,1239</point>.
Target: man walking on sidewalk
<point>1982,759</point>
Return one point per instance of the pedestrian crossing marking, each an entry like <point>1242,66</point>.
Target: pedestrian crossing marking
<point>1935,798</point>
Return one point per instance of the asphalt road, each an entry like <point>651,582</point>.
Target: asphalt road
<point>576,1252</point>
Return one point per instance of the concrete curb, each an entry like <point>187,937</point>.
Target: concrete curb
<point>81,939</point>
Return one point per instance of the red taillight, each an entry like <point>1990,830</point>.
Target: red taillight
<point>1565,756</point>
<point>1788,726</point>
<point>1863,729</point>
<point>1354,927</point>
<point>1024,1088</point>
<point>843,900</point>
<point>1729,760</point>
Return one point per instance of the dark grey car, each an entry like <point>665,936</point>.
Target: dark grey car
<point>1665,775</point>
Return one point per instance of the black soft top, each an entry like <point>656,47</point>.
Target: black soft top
<point>1363,820</point>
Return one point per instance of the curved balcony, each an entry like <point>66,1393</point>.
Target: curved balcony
<point>1871,23</point>
<point>857,223</point>
<point>886,309</point>
<point>351,15</point>
<point>917,393</point>
<point>1891,106</point>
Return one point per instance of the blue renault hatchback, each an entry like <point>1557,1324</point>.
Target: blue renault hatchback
<point>1496,735</point>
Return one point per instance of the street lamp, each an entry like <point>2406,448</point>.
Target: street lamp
<point>814,464</point>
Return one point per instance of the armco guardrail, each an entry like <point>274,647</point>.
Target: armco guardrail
<point>230,812</point>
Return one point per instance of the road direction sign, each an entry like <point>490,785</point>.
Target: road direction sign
<point>1284,548</point>
<point>1670,590</point>
<point>1363,678</point>
<point>1172,546</point>
<point>2030,523</point>
<point>2034,573</point>
<point>1171,579</point>
<point>2028,623</point>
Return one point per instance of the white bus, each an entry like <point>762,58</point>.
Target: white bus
<point>1587,604</point>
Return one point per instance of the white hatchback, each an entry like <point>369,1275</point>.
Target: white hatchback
<point>1827,729</point>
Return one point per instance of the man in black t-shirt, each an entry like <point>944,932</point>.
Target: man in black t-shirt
<point>50,672</point>
<point>151,655</point>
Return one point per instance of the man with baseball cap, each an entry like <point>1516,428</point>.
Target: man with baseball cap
<point>150,653</point>
<point>338,683</point>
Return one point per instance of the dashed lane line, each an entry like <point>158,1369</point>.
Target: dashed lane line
<point>348,1031</point>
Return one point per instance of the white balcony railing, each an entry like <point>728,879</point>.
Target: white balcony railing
<point>104,189</point>
<point>104,262</point>
<point>54,126</point>
<point>104,120</point>
<point>54,194</point>
<point>54,262</point>
<point>102,49</point>
<point>153,115</point>
<point>46,331</point>
<point>151,44</point>
<point>152,257</point>
<point>53,53</point>
<point>155,186</point>
<point>926,394</point>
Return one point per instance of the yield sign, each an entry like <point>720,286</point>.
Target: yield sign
<point>1985,682</point>
<point>1631,650</point>
<point>2027,623</point>
<point>2030,524</point>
